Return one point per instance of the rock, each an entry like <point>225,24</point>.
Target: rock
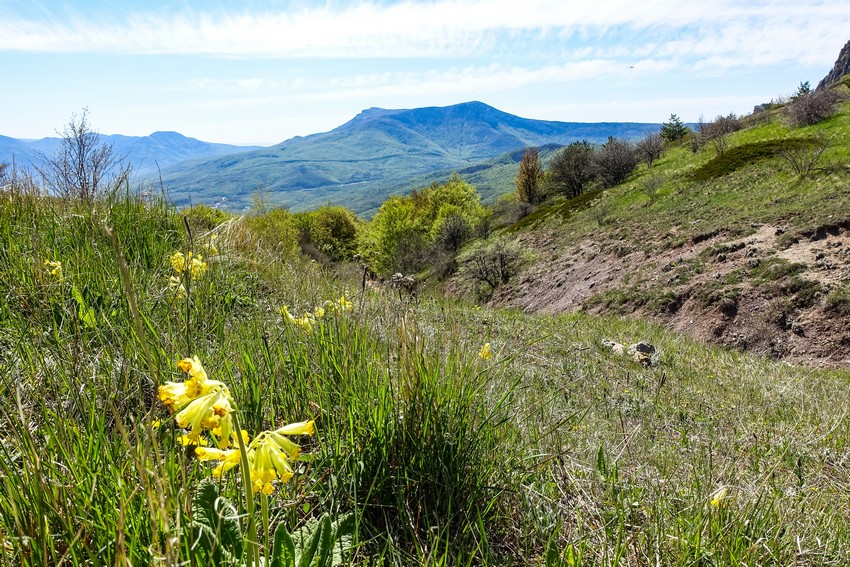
<point>642,347</point>
<point>615,347</point>
<point>841,68</point>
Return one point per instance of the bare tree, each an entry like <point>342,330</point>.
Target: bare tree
<point>82,166</point>
<point>650,148</point>
<point>615,161</point>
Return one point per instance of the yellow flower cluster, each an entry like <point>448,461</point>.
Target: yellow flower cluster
<point>486,353</point>
<point>204,404</point>
<point>55,267</point>
<point>269,456</point>
<point>194,264</point>
<point>308,320</point>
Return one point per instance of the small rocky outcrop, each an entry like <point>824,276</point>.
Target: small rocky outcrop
<point>841,68</point>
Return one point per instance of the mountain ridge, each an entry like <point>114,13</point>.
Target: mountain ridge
<point>374,153</point>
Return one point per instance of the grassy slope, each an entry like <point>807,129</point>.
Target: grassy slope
<point>448,459</point>
<point>686,211</point>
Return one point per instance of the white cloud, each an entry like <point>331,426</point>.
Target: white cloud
<point>772,31</point>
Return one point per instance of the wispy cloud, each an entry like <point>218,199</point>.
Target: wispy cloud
<point>772,31</point>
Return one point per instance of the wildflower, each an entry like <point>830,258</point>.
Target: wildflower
<point>175,395</point>
<point>269,456</point>
<point>185,440</point>
<point>305,323</point>
<point>718,497</point>
<point>228,458</point>
<point>211,247</point>
<point>286,314</point>
<point>55,267</point>
<point>176,283</point>
<point>485,353</point>
<point>319,312</point>
<point>344,304</point>
<point>209,411</point>
<point>195,265</point>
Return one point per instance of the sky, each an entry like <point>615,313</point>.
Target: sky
<point>247,72</point>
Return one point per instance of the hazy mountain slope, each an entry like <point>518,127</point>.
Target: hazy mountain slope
<point>376,153</point>
<point>145,153</point>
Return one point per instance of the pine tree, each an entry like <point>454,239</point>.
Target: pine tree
<point>529,180</point>
<point>673,130</point>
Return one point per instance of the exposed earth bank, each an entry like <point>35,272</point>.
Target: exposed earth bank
<point>769,292</point>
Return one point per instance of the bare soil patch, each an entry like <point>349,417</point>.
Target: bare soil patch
<point>763,292</point>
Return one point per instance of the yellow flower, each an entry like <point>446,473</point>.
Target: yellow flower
<point>227,458</point>
<point>344,304</point>
<point>286,314</point>
<point>194,264</point>
<point>175,395</point>
<point>305,323</point>
<point>485,353</point>
<point>211,411</point>
<point>319,312</point>
<point>176,283</point>
<point>269,455</point>
<point>186,440</point>
<point>718,497</point>
<point>55,267</point>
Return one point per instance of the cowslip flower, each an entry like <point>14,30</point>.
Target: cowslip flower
<point>194,264</point>
<point>269,456</point>
<point>719,496</point>
<point>486,352</point>
<point>55,267</point>
<point>305,323</point>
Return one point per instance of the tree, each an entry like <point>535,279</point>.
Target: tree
<point>82,166</point>
<point>673,130</point>
<point>650,148</point>
<point>529,179</point>
<point>615,161</point>
<point>571,169</point>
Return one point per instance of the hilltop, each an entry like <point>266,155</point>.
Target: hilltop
<point>377,153</point>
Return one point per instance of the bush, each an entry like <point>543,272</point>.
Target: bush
<point>330,230</point>
<point>650,148</point>
<point>491,262</point>
<point>812,107</point>
<point>615,161</point>
<point>204,218</point>
<point>571,169</point>
<point>529,179</point>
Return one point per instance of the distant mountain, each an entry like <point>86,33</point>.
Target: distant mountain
<point>375,154</point>
<point>146,154</point>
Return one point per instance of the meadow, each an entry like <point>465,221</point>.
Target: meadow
<point>428,447</point>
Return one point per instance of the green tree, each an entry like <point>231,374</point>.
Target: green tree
<point>331,230</point>
<point>529,179</point>
<point>674,129</point>
<point>408,231</point>
<point>571,169</point>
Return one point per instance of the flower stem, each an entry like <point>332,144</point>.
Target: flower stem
<point>251,539</point>
<point>264,500</point>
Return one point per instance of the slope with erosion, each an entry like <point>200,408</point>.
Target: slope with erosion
<point>756,259</point>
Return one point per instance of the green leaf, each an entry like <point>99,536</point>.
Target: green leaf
<point>342,538</point>
<point>307,542</point>
<point>216,516</point>
<point>325,551</point>
<point>283,552</point>
<point>85,313</point>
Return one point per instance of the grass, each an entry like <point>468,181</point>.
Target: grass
<point>555,451</point>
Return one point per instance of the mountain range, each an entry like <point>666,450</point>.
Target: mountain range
<point>378,153</point>
<point>146,154</point>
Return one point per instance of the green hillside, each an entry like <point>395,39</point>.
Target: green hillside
<point>376,154</point>
<point>569,413</point>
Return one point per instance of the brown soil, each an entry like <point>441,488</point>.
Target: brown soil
<point>766,317</point>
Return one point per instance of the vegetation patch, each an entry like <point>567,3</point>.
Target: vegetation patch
<point>747,154</point>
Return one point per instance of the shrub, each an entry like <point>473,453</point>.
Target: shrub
<point>615,161</point>
<point>331,230</point>
<point>529,179</point>
<point>650,148</point>
<point>803,158</point>
<point>491,262</point>
<point>571,169</point>
<point>204,218</point>
<point>812,107</point>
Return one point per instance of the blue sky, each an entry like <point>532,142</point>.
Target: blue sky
<point>262,72</point>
